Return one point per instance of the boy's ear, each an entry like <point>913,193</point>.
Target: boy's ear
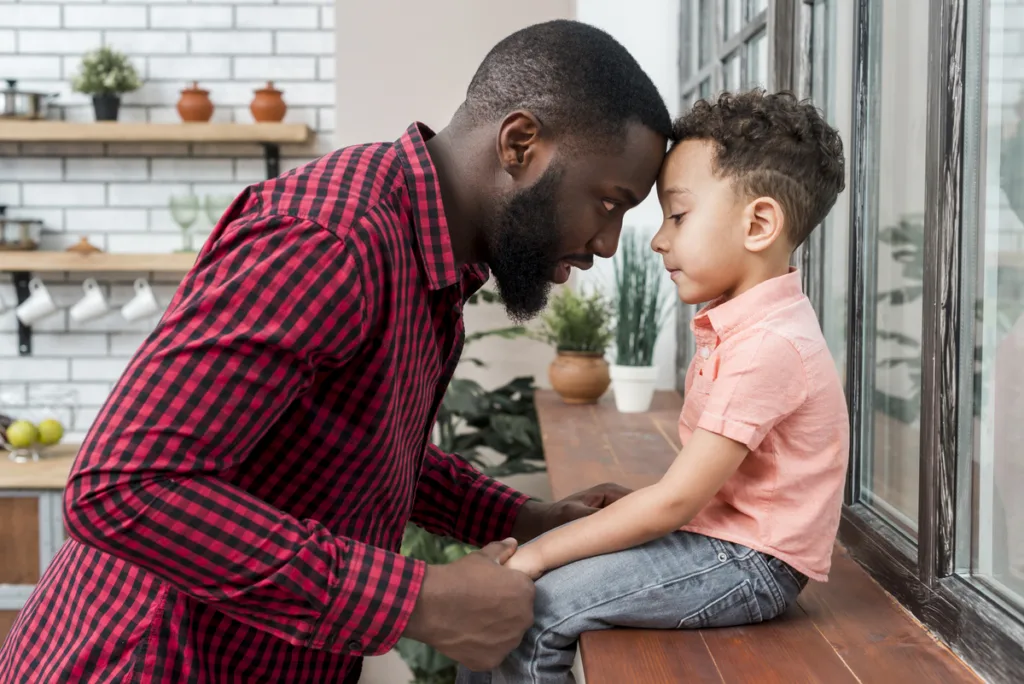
<point>765,224</point>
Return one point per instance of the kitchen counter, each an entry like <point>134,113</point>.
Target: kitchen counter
<point>48,473</point>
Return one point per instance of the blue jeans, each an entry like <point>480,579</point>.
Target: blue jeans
<point>681,581</point>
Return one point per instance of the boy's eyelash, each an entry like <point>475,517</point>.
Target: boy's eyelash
<point>677,217</point>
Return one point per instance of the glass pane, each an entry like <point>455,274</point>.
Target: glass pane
<point>755,7</point>
<point>732,72</point>
<point>757,61</point>
<point>705,88</point>
<point>898,55</point>
<point>706,38</point>
<point>998,546</point>
<point>835,232</point>
<point>733,16</point>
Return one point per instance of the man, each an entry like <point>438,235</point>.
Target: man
<point>237,508</point>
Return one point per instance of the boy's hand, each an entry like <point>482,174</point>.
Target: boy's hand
<point>527,560</point>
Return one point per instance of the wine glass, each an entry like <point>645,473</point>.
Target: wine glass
<point>185,211</point>
<point>216,205</point>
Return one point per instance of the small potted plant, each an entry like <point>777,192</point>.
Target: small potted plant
<point>641,305</point>
<point>578,326</point>
<point>106,74</point>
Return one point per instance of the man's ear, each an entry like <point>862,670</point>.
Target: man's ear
<point>765,224</point>
<point>518,138</point>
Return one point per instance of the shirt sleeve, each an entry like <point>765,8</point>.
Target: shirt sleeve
<point>456,500</point>
<point>759,381</point>
<point>273,298</point>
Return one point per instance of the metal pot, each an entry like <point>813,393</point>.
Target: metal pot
<point>22,104</point>
<point>19,234</point>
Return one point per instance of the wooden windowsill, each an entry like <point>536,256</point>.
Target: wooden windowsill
<point>846,630</point>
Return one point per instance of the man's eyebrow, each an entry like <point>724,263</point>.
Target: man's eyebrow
<point>630,195</point>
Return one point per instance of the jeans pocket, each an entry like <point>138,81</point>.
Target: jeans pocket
<point>737,606</point>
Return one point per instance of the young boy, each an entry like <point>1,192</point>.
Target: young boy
<point>750,508</point>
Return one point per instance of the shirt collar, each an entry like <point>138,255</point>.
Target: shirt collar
<point>727,317</point>
<point>430,223</point>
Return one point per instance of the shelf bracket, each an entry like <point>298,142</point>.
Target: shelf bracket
<point>272,157</point>
<point>21,279</point>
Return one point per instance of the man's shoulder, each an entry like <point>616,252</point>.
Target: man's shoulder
<point>338,190</point>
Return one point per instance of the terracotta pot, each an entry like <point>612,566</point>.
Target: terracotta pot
<point>194,106</point>
<point>268,106</point>
<point>579,377</point>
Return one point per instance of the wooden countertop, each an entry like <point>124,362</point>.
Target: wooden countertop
<point>49,473</point>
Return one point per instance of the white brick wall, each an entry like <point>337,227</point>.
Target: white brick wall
<point>117,195</point>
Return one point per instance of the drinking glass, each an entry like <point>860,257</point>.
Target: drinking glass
<point>185,211</point>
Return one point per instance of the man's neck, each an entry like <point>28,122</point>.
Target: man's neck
<point>451,152</point>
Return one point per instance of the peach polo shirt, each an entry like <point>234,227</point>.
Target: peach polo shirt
<point>763,376</point>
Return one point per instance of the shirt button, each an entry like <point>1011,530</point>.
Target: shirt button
<point>705,352</point>
<point>352,645</point>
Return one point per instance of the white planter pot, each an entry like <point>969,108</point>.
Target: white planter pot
<point>633,387</point>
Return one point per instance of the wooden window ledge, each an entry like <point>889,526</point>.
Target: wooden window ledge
<point>846,630</point>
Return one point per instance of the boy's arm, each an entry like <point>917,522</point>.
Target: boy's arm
<point>700,469</point>
<point>757,384</point>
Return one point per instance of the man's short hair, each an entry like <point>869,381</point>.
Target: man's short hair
<point>575,78</point>
<point>772,145</point>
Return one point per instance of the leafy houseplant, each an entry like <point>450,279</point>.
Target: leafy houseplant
<point>106,74</point>
<point>641,308</point>
<point>579,327</point>
<point>476,424</point>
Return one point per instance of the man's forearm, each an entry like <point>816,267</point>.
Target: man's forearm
<point>455,499</point>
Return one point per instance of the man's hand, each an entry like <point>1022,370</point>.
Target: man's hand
<point>475,611</point>
<point>536,518</point>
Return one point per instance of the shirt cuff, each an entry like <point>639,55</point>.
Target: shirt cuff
<point>489,512</point>
<point>372,602</point>
<point>744,433</point>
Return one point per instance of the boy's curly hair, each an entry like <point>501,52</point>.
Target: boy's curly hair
<point>772,145</point>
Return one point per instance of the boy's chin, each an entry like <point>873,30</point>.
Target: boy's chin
<point>691,295</point>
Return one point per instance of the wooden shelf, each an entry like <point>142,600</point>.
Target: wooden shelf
<point>118,132</point>
<point>49,472</point>
<point>49,262</point>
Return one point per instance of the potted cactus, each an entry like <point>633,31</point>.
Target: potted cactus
<point>106,74</point>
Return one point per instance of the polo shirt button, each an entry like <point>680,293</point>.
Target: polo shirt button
<point>352,645</point>
<point>705,352</point>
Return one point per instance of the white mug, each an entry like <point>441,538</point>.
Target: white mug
<point>92,305</point>
<point>39,304</point>
<point>142,304</point>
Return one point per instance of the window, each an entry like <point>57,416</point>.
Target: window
<point>917,276</point>
<point>893,218</point>
<point>993,386</point>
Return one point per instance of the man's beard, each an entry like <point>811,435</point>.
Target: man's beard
<point>524,241</point>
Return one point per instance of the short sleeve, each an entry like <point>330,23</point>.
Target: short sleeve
<point>760,380</point>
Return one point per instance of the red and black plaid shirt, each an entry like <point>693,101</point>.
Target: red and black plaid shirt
<point>237,508</point>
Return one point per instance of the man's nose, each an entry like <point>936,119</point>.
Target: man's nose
<point>606,242</point>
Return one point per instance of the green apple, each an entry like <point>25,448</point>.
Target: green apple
<point>22,434</point>
<point>50,431</point>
